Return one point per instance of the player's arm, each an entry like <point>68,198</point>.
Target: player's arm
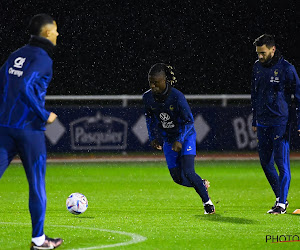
<point>253,101</point>
<point>2,76</point>
<point>151,127</point>
<point>33,91</point>
<point>187,122</point>
<point>293,78</point>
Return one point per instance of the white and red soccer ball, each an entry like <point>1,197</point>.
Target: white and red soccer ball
<point>77,203</point>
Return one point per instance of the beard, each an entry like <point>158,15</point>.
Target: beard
<point>267,60</point>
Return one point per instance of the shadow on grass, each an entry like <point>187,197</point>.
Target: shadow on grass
<point>84,217</point>
<point>220,218</point>
<point>80,217</point>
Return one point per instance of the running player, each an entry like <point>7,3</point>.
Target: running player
<point>170,126</point>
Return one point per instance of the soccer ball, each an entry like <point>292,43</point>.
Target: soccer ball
<point>76,203</point>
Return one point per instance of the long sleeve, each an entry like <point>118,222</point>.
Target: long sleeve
<point>187,120</point>
<point>2,82</point>
<point>253,98</point>
<point>293,78</point>
<point>34,87</point>
<point>151,124</point>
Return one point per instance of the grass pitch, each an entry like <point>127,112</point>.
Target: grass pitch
<point>137,206</point>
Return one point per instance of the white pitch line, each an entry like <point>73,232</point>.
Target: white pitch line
<point>146,159</point>
<point>135,237</point>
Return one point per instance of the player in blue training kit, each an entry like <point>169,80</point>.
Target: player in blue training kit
<point>169,118</point>
<point>24,79</point>
<point>274,81</point>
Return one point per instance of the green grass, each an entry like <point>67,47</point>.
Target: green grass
<point>141,198</point>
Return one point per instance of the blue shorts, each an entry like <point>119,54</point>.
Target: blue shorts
<point>188,148</point>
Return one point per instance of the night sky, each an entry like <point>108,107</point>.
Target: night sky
<point>107,47</point>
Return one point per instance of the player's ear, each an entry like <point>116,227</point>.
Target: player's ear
<point>46,30</point>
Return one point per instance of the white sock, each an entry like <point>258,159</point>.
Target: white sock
<point>39,240</point>
<point>281,205</point>
<point>208,202</point>
<point>277,199</point>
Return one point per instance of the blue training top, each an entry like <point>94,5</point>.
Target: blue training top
<point>171,119</point>
<point>24,79</point>
<point>272,88</point>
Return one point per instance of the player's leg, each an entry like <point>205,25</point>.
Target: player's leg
<point>266,156</point>
<point>174,166</point>
<point>188,167</point>
<point>282,160</point>
<point>7,149</point>
<point>188,154</point>
<point>32,150</point>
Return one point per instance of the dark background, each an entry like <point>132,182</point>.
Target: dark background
<point>107,47</point>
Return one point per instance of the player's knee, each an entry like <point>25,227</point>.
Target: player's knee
<point>266,166</point>
<point>177,180</point>
<point>286,174</point>
<point>189,174</point>
<point>176,175</point>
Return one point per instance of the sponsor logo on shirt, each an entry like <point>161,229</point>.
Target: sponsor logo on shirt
<point>275,78</point>
<point>18,63</point>
<point>164,116</point>
<point>17,73</point>
<point>165,121</point>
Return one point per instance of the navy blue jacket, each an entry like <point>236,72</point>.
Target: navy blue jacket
<point>171,119</point>
<point>272,88</point>
<point>24,79</point>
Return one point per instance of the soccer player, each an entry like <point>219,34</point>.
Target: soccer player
<point>170,126</point>
<point>274,81</point>
<point>24,79</point>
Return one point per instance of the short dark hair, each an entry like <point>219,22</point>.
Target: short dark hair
<point>168,69</point>
<point>265,39</point>
<point>37,22</point>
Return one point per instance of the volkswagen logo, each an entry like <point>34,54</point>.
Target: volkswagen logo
<point>164,116</point>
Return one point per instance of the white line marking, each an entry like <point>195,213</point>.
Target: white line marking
<point>135,237</point>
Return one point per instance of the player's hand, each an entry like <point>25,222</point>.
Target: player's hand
<point>299,132</point>
<point>254,129</point>
<point>155,144</point>
<point>51,118</point>
<point>177,146</point>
